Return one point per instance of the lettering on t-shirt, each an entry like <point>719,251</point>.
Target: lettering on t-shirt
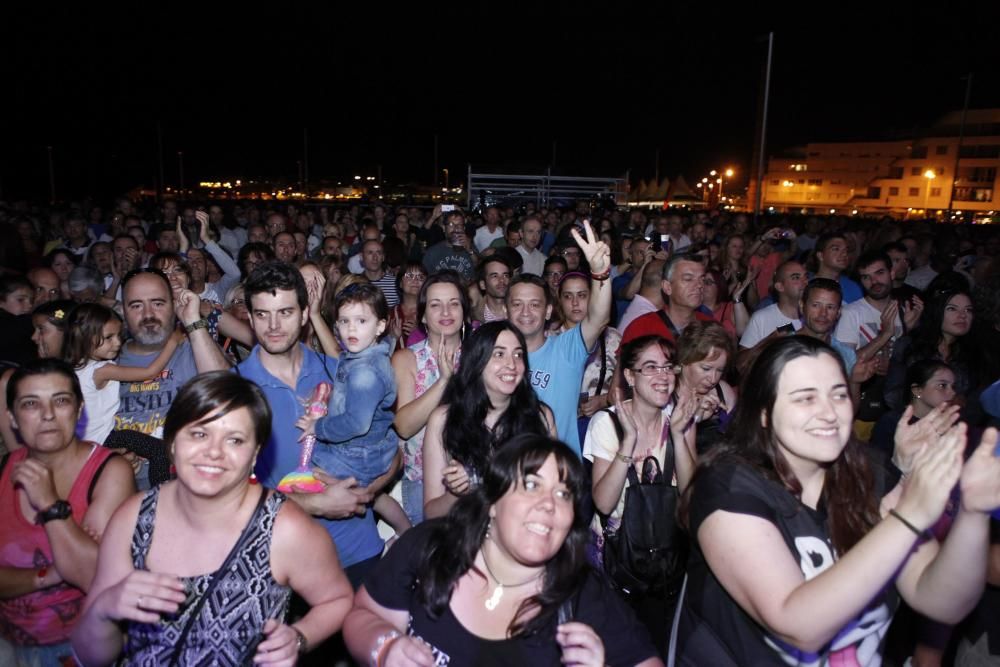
<point>540,379</point>
<point>441,659</point>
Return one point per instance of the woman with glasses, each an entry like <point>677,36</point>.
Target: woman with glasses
<point>403,317</point>
<point>650,424</point>
<point>704,350</point>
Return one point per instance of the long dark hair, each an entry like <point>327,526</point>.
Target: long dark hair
<point>453,544</point>
<point>450,277</point>
<point>851,506</point>
<point>466,437</point>
<point>927,334</point>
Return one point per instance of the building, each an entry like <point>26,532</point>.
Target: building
<point>921,177</point>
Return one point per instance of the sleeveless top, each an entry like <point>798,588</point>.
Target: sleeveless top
<point>47,616</point>
<point>228,625</point>
<point>427,374</point>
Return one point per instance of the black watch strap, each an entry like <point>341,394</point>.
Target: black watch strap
<point>59,510</point>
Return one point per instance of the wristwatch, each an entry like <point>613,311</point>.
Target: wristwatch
<point>59,510</point>
<point>198,324</point>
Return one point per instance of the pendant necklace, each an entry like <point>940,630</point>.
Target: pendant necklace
<point>494,600</point>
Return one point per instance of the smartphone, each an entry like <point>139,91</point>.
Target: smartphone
<point>447,208</point>
<point>786,329</point>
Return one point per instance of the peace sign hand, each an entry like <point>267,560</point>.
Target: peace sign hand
<point>597,252</point>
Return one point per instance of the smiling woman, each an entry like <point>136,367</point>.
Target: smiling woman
<point>503,579</point>
<point>802,552</point>
<point>225,601</point>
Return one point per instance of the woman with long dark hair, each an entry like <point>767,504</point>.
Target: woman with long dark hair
<point>422,371</point>
<point>488,400</point>
<point>942,334</point>
<point>502,579</point>
<point>801,550</point>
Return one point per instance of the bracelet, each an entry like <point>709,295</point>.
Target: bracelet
<point>381,644</point>
<point>601,277</point>
<point>624,459</point>
<point>924,534</point>
<point>301,645</point>
<point>199,324</point>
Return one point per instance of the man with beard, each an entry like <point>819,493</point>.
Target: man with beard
<point>494,278</point>
<point>287,372</point>
<point>151,319</point>
<point>870,322</point>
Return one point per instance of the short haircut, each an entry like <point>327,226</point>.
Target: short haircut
<point>530,279</point>
<point>824,240</point>
<point>273,276</point>
<point>141,272</point>
<point>870,257</point>
<point>671,265</point>
<point>10,284</point>
<point>222,391</point>
<point>364,293</point>
<point>43,367</point>
<point>827,284</point>
<point>85,277</point>
<point>896,246</point>
<point>489,259</point>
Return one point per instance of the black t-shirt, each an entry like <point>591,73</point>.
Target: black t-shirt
<point>714,629</point>
<point>392,584</point>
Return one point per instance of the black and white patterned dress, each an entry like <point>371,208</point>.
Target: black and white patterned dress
<point>229,623</point>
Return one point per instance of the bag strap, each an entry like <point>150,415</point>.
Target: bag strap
<point>670,325</point>
<point>604,363</point>
<point>97,476</point>
<point>217,576</point>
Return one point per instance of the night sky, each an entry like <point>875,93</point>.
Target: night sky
<point>497,82</point>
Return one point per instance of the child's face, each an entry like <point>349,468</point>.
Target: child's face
<point>17,302</point>
<point>110,342</point>
<point>358,327</point>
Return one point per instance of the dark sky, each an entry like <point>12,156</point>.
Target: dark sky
<point>497,82</point>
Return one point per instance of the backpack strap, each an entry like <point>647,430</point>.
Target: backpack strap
<point>604,363</point>
<point>669,324</point>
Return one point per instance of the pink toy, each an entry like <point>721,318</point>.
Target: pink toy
<point>301,480</point>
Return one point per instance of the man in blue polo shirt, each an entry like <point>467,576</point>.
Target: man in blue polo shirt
<point>288,371</point>
<point>557,363</point>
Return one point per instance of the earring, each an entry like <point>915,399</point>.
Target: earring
<point>462,333</point>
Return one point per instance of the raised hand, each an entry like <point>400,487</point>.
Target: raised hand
<point>203,230</point>
<point>910,437</point>
<point>912,310</point>
<point>981,476</point>
<point>937,467</point>
<point>596,251</point>
<point>630,429</point>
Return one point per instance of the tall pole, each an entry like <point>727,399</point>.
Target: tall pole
<point>52,177</point>
<point>180,171</point>
<point>763,129</point>
<point>305,160</point>
<point>435,181</point>
<point>958,149</point>
<point>159,160</point>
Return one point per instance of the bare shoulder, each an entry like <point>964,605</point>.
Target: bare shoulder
<point>403,360</point>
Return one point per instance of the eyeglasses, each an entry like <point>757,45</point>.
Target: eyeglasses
<point>650,370</point>
<point>414,276</point>
<point>553,274</point>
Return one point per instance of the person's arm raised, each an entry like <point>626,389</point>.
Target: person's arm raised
<point>139,373</point>
<point>749,557</point>
<point>412,412</point>
<point>207,354</point>
<point>599,308</point>
<point>608,480</point>
<point>945,583</point>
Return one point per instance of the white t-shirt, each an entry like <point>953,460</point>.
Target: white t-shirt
<point>99,405</point>
<point>860,323</point>
<point>484,237</point>
<point>638,307</point>
<point>534,262</point>
<point>763,323</point>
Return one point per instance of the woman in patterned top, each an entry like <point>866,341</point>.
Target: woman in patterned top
<point>157,601</point>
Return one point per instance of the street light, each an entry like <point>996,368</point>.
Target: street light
<point>930,176</point>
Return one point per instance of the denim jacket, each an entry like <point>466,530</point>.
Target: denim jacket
<point>360,409</point>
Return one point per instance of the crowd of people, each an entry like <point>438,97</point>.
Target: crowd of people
<point>579,435</point>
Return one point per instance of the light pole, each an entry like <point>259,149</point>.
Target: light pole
<point>929,175</point>
<point>728,174</point>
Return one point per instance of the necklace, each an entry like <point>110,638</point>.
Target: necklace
<point>494,599</point>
